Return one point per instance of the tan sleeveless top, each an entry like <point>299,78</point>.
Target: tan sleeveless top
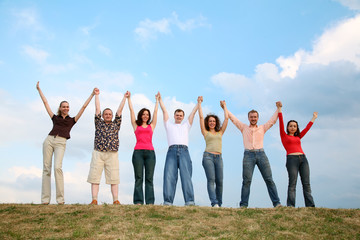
<point>213,142</point>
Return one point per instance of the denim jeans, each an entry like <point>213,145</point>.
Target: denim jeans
<point>144,159</point>
<point>213,166</point>
<point>298,164</point>
<point>178,157</point>
<point>259,158</point>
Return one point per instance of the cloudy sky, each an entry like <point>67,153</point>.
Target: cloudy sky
<point>249,53</point>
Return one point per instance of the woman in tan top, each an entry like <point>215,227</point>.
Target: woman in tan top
<point>212,162</point>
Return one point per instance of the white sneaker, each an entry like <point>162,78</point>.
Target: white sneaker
<point>216,205</point>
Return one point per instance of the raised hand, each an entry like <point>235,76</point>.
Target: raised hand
<point>278,104</point>
<point>37,85</point>
<point>96,91</point>
<point>157,96</point>
<point>315,115</point>
<point>222,104</point>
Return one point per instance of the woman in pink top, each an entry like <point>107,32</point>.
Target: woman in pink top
<point>144,155</point>
<point>296,161</point>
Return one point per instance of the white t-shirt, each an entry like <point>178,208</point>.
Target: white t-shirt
<point>177,134</point>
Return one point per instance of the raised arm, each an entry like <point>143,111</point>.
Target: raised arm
<point>154,120</point>
<point>122,104</point>
<point>226,117</point>
<point>82,109</point>
<point>201,116</point>
<point>97,102</point>
<point>240,125</point>
<point>192,114</point>
<point>132,114</point>
<point>43,98</point>
<point>281,120</point>
<point>315,115</point>
<point>271,121</point>
<point>165,113</point>
<point>279,106</point>
<point>309,125</point>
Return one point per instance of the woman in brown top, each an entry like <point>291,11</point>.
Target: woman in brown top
<point>55,144</point>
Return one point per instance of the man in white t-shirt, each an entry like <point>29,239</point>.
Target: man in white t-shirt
<point>178,156</point>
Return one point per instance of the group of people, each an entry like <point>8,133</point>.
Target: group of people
<point>106,145</point>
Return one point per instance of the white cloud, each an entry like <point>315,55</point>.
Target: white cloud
<point>27,18</point>
<point>32,171</point>
<point>78,58</point>
<point>267,71</point>
<point>338,43</point>
<point>231,82</point>
<point>290,65</point>
<point>352,4</point>
<point>41,58</point>
<point>23,185</point>
<point>87,29</point>
<point>190,24</point>
<point>39,55</point>
<point>104,50</point>
<point>149,30</point>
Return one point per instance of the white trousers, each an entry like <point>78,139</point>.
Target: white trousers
<point>53,146</point>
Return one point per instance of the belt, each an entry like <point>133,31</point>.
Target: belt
<point>254,150</point>
<point>178,146</point>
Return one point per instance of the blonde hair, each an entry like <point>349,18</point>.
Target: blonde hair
<point>59,112</point>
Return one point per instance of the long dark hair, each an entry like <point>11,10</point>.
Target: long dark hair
<point>139,120</point>
<point>59,112</point>
<point>297,133</point>
<point>217,120</point>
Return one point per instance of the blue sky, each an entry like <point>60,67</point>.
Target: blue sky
<point>249,53</point>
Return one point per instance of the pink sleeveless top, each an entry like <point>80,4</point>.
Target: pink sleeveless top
<point>144,138</point>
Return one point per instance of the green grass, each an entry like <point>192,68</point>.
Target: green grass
<point>30,221</point>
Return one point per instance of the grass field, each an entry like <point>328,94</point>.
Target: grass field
<point>30,221</point>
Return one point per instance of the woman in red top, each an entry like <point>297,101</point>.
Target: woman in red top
<point>296,161</point>
<point>144,155</point>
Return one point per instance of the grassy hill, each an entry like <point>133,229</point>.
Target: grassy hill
<point>30,221</point>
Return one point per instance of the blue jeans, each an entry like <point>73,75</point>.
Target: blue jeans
<point>298,164</point>
<point>259,158</point>
<point>144,159</point>
<point>213,166</point>
<point>178,157</point>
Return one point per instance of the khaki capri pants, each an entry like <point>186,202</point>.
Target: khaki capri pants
<point>107,161</point>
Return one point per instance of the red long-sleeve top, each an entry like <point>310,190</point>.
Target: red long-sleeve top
<point>292,144</point>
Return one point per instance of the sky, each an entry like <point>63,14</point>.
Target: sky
<point>249,53</point>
